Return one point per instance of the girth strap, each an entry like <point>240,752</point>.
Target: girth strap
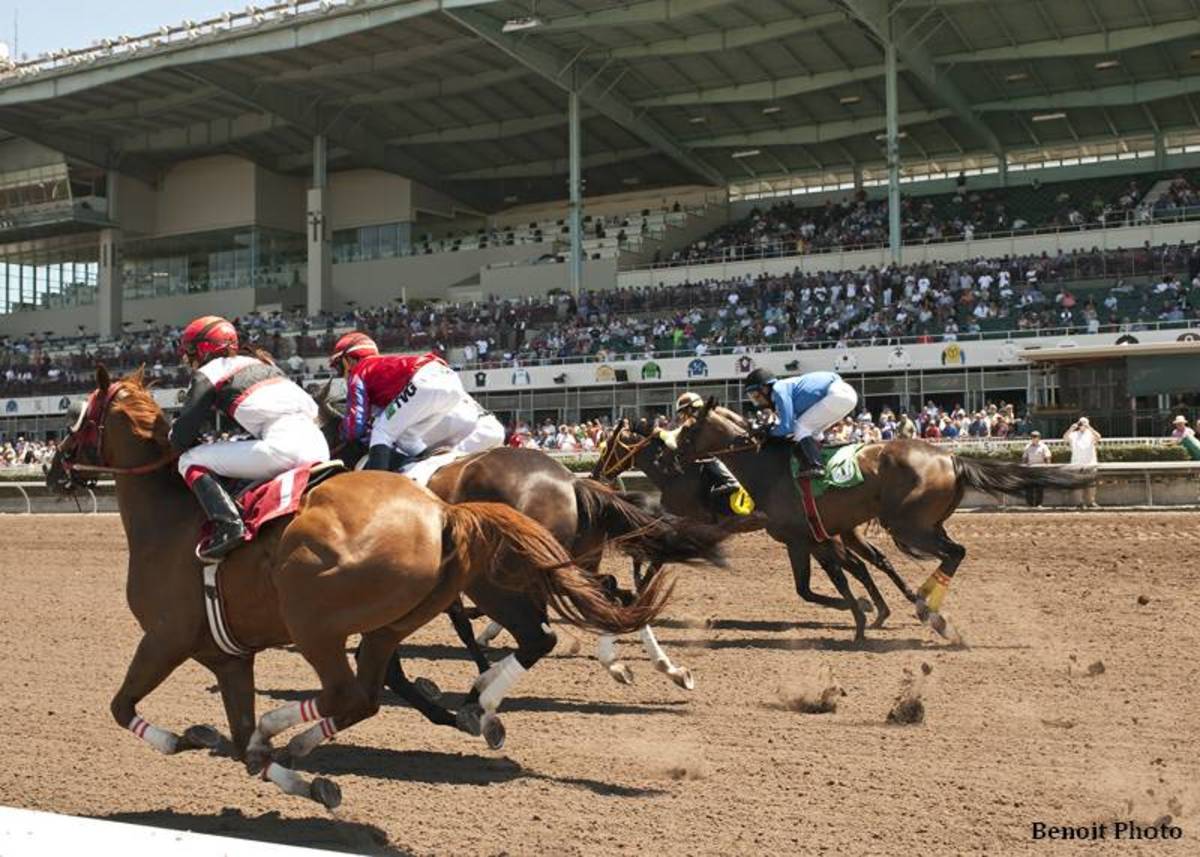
<point>216,615</point>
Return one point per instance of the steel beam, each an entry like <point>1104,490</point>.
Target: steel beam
<point>722,40</point>
<point>876,15</point>
<point>825,132</point>
<point>489,130</point>
<point>765,90</point>
<point>646,12</point>
<point>1091,44</point>
<point>552,167</point>
<point>440,87</point>
<point>575,190</point>
<point>892,105</point>
<point>1105,96</point>
<point>91,149</point>
<point>554,65</point>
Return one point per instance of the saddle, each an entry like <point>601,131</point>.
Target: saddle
<point>267,499</point>
<point>841,471</point>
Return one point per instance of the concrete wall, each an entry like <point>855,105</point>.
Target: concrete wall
<point>520,280</point>
<point>64,322</point>
<point>366,197</point>
<point>136,207</point>
<point>430,201</point>
<point>381,280</point>
<point>621,203</point>
<point>17,154</point>
<point>206,194</point>
<point>279,201</point>
<point>180,309</point>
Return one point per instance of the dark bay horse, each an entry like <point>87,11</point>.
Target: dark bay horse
<point>584,515</point>
<point>910,486</point>
<point>684,491</point>
<point>367,553</point>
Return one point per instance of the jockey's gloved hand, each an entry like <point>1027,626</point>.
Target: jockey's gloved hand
<point>762,423</point>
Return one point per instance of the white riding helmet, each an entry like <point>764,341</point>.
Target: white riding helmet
<point>688,401</point>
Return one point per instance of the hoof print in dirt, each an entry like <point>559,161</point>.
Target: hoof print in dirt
<point>820,695</point>
<point>1096,669</point>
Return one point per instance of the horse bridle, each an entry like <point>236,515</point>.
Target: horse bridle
<point>606,468</point>
<point>88,435</point>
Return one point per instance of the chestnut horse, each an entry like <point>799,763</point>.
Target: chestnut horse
<point>367,553</point>
<point>910,486</point>
<point>684,492</point>
<point>584,515</point>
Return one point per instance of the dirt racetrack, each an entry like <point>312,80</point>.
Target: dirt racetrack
<point>1016,729</point>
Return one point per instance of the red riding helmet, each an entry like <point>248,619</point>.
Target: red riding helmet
<point>207,337</point>
<point>354,344</point>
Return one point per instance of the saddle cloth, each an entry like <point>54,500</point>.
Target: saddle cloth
<point>841,468</point>
<point>263,502</point>
<point>422,468</point>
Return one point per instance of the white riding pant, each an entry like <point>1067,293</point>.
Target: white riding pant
<point>289,442</point>
<point>840,400</point>
<point>438,412</point>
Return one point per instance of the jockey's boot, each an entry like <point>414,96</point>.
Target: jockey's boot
<point>722,483</point>
<point>228,530</point>
<point>379,457</point>
<point>808,454</point>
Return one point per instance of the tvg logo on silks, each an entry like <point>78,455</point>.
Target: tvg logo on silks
<point>404,396</point>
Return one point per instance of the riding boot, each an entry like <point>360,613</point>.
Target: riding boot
<point>721,482</point>
<point>228,530</point>
<point>808,454</point>
<point>379,457</point>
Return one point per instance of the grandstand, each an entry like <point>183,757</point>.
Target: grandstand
<point>313,166</point>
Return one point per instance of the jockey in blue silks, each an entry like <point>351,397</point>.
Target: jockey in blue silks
<point>806,405</point>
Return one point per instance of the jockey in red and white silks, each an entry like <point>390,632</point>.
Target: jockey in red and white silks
<point>418,403</point>
<point>262,400</point>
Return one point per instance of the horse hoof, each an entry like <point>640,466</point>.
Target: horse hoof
<point>428,689</point>
<point>880,619</point>
<point>469,719</point>
<point>574,647</point>
<point>865,605</point>
<point>201,737</point>
<point>682,677</point>
<point>922,609</point>
<point>494,732</point>
<point>325,792</point>
<point>621,673</point>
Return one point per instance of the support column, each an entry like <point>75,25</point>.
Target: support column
<point>1160,151</point>
<point>893,146</point>
<point>1003,164</point>
<point>320,256</point>
<point>858,177</point>
<point>576,194</point>
<point>109,292</point>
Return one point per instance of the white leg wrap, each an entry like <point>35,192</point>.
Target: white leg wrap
<point>160,739</point>
<point>288,780</point>
<point>606,649</point>
<point>506,674</point>
<point>287,716</point>
<point>654,650</point>
<point>491,632</point>
<point>307,741</point>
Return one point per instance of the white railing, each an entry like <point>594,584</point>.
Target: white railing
<point>22,486</point>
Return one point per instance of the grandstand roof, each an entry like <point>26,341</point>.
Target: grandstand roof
<point>469,95</point>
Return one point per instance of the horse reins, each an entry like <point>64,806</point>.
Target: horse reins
<point>610,469</point>
<point>70,466</point>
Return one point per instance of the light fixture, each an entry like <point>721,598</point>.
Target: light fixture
<point>1016,77</point>
<point>900,135</point>
<point>746,153</point>
<point>774,108</point>
<point>850,99</point>
<point>631,180</point>
<point>515,25</point>
<point>1102,65</point>
<point>697,120</point>
<point>1047,117</point>
<point>511,198</point>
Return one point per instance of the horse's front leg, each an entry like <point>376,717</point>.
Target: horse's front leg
<point>155,659</point>
<point>800,555</point>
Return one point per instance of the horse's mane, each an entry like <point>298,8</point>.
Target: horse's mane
<point>138,405</point>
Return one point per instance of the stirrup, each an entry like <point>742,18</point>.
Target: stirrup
<point>214,549</point>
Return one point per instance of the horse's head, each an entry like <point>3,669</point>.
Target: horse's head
<point>118,428</point>
<point>710,430</point>
<point>329,416</point>
<point>620,448</point>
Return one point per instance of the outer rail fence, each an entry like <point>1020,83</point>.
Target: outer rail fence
<point>1156,484</point>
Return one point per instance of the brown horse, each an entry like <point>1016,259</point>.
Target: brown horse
<point>367,553</point>
<point>583,515</point>
<point>684,491</point>
<point>910,486</point>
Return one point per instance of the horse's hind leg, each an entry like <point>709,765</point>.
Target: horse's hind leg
<point>858,570</point>
<point>876,557</point>
<point>154,660</point>
<point>932,593</point>
<point>421,694</point>
<point>462,627</point>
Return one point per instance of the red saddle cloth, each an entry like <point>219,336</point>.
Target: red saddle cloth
<point>263,502</point>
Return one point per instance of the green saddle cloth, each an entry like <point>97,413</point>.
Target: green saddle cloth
<point>841,468</point>
<point>1192,446</point>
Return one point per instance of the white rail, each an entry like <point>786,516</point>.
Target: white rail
<point>21,486</point>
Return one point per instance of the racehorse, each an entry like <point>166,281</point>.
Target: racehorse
<point>583,515</point>
<point>684,491</point>
<point>366,553</point>
<point>910,486</point>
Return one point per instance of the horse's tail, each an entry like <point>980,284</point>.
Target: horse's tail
<point>1007,478</point>
<point>643,532</point>
<point>520,554</point>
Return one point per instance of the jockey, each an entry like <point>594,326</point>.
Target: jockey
<point>421,401</point>
<point>723,484</point>
<point>259,397</point>
<point>806,405</point>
